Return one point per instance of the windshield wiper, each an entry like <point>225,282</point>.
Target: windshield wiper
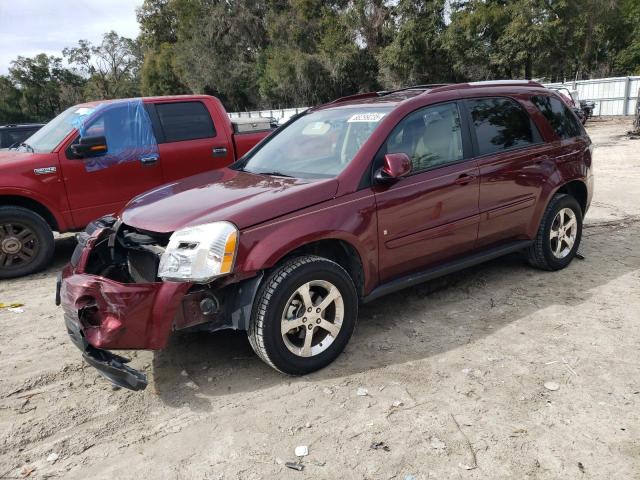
<point>275,174</point>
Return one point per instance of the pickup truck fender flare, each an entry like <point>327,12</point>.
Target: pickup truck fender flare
<point>29,199</point>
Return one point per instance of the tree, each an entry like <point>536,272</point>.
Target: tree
<point>10,110</point>
<point>45,86</point>
<point>416,54</point>
<point>111,68</point>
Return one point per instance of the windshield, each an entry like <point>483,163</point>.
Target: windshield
<point>317,145</point>
<point>50,136</point>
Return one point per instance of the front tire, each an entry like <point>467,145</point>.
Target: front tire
<point>559,234</point>
<point>304,315</point>
<point>26,242</point>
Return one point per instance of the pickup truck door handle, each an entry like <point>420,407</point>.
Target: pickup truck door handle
<point>540,158</point>
<point>219,152</point>
<point>149,159</point>
<point>465,179</point>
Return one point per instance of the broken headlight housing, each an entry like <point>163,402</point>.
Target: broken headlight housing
<point>200,254</point>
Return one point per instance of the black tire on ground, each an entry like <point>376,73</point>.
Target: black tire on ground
<point>273,298</point>
<point>26,242</point>
<point>540,254</point>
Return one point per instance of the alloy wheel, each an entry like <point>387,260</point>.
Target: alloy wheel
<point>564,230</point>
<point>312,318</point>
<point>19,245</point>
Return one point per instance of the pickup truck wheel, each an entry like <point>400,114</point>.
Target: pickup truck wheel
<point>26,242</point>
<point>304,315</point>
<point>559,234</point>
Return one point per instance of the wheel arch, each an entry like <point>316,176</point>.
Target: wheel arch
<point>340,251</point>
<point>578,190</point>
<point>33,205</point>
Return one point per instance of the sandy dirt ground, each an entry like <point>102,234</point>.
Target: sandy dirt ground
<point>454,372</point>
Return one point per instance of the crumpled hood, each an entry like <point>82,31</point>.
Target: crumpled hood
<point>244,199</point>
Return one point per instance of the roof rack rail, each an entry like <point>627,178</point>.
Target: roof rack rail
<point>488,83</point>
<point>353,97</point>
<point>413,87</point>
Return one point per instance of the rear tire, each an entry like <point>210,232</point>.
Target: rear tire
<point>26,242</point>
<point>304,315</point>
<point>559,235</point>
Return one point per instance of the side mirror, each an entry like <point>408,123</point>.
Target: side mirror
<point>90,147</point>
<point>396,165</point>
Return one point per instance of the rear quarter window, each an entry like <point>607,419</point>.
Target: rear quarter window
<point>562,121</point>
<point>182,121</point>
<point>501,124</point>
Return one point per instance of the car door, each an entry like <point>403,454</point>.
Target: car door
<point>512,158</point>
<point>102,185</point>
<point>188,140</point>
<point>571,139</point>
<point>431,215</point>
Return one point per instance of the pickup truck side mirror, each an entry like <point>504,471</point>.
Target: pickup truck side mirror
<point>396,165</point>
<point>89,147</point>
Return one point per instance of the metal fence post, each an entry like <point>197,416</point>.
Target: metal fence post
<point>627,96</point>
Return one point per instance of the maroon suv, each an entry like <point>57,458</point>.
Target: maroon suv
<point>349,201</point>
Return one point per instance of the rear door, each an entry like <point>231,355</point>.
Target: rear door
<point>571,137</point>
<point>512,158</point>
<point>431,215</point>
<point>188,140</point>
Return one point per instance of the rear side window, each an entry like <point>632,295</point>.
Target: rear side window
<point>185,121</point>
<point>562,121</point>
<point>501,124</point>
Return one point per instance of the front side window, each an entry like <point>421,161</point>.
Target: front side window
<point>431,137</point>
<point>562,121</point>
<point>185,121</point>
<point>49,137</point>
<point>500,124</point>
<point>317,145</point>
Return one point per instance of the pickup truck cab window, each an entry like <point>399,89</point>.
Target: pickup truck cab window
<point>185,121</point>
<point>563,122</point>
<point>316,145</point>
<point>431,137</point>
<point>501,124</point>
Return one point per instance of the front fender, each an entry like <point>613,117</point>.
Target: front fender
<point>351,219</point>
<point>50,203</point>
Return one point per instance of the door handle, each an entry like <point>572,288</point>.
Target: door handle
<point>150,159</point>
<point>219,152</point>
<point>465,179</point>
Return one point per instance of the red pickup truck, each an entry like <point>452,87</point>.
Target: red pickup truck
<point>93,158</point>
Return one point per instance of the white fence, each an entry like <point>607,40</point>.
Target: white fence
<point>613,96</point>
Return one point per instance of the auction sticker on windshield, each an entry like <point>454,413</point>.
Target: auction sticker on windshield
<point>366,117</point>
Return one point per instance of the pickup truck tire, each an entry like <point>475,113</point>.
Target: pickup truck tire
<point>304,315</point>
<point>559,234</point>
<point>26,242</point>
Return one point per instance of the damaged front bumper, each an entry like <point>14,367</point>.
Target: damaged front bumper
<point>112,367</point>
<point>107,308</point>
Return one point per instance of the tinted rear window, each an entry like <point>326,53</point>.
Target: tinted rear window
<point>185,121</point>
<point>501,124</point>
<point>562,121</point>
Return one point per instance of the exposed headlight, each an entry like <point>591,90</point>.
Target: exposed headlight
<point>200,254</point>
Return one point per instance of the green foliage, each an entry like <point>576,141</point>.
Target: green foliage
<point>110,68</point>
<point>44,87</point>
<point>283,53</point>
